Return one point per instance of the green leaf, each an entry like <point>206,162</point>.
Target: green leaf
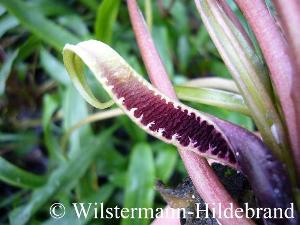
<point>53,67</point>
<point>70,217</point>
<point>28,47</point>
<point>106,16</point>
<point>2,10</point>
<point>183,52</point>
<point>165,161</point>
<point>110,161</point>
<point>6,23</point>
<point>148,13</point>
<point>65,177</point>
<point>180,15</point>
<point>223,99</point>
<point>91,4</point>
<point>162,42</point>
<point>75,23</point>
<point>50,104</point>
<point>139,191</point>
<point>38,24</point>
<point>135,132</point>
<point>212,82</point>
<point>6,70</point>
<point>13,175</point>
<point>50,7</point>
<point>74,110</point>
<point>21,142</point>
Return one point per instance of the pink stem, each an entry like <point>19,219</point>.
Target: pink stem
<point>289,13</point>
<point>204,179</point>
<point>157,72</point>
<point>167,219</point>
<point>276,53</point>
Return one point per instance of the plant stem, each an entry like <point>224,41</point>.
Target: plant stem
<point>157,73</point>
<point>167,219</point>
<point>102,115</point>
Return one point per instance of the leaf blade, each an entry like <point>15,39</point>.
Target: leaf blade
<point>139,191</point>
<point>214,97</point>
<point>11,174</point>
<point>106,16</point>
<point>38,24</point>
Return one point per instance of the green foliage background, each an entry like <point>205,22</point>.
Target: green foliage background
<point>111,161</point>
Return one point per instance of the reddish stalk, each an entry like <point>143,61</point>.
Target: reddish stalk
<point>290,19</point>
<point>150,56</point>
<point>167,218</point>
<point>276,53</point>
<point>204,179</point>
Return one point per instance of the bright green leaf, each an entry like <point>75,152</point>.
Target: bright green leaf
<point>106,16</point>
<point>139,191</point>
<point>223,99</point>
<point>13,175</point>
<point>6,70</point>
<point>38,24</point>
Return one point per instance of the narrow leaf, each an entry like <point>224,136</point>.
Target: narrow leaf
<point>106,16</point>
<point>70,217</point>
<point>63,178</point>
<point>214,97</point>
<point>36,22</point>
<point>6,23</point>
<point>139,191</point>
<point>6,70</point>
<point>213,82</point>
<point>53,67</point>
<point>165,162</point>
<point>11,174</point>
<point>50,104</point>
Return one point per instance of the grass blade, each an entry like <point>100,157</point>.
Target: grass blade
<point>53,67</point>
<point>139,191</point>
<point>63,178</point>
<point>6,70</point>
<point>165,161</point>
<point>106,16</point>
<point>38,24</point>
<point>101,196</point>
<point>223,99</point>
<point>6,23</point>
<point>13,175</point>
<point>213,82</point>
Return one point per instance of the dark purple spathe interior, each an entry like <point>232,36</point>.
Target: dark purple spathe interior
<point>162,115</point>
